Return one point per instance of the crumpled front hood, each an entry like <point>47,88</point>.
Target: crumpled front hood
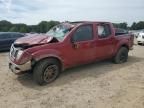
<point>34,39</point>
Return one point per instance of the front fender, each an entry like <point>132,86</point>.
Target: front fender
<point>41,54</point>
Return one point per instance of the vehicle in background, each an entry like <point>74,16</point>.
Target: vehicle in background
<point>140,39</point>
<point>7,38</point>
<point>67,45</point>
<point>136,32</point>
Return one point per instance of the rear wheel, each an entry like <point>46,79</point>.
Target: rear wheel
<point>121,56</point>
<point>46,71</point>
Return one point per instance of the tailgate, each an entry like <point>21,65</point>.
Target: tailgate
<point>131,42</point>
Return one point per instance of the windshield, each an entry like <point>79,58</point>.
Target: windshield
<point>59,31</point>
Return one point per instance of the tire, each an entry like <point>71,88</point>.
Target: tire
<point>46,71</point>
<point>139,44</point>
<point>121,56</point>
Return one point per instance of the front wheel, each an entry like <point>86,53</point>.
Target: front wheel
<point>121,56</point>
<point>46,71</point>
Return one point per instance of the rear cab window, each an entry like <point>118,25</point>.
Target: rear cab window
<point>103,31</point>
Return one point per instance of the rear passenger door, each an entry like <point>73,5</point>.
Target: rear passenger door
<point>104,42</point>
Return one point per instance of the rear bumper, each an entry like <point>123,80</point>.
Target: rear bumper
<point>142,42</point>
<point>18,69</point>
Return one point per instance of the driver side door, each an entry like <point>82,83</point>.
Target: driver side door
<point>81,48</point>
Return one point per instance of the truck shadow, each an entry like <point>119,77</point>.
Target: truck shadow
<point>77,73</point>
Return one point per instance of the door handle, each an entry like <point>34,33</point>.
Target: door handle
<point>75,45</point>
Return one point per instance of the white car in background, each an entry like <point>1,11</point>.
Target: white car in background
<point>140,38</point>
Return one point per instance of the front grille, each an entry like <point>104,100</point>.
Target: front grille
<point>13,52</point>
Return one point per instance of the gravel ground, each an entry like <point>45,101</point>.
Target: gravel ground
<point>97,85</point>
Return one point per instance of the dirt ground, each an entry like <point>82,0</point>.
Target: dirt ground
<point>97,85</point>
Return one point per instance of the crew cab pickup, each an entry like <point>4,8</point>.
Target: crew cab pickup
<point>66,45</point>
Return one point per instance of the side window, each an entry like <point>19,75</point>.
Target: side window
<point>104,31</point>
<point>83,33</point>
<point>5,36</point>
<point>17,35</point>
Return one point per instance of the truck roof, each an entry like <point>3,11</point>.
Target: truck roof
<point>72,24</point>
<point>80,22</point>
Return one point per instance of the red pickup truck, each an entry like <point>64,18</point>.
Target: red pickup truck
<point>66,45</point>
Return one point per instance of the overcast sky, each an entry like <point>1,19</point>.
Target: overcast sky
<point>34,11</point>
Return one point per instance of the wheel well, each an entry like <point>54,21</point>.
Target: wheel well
<point>124,45</point>
<point>34,62</point>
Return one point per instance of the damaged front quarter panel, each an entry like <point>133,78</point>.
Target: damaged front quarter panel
<point>27,45</point>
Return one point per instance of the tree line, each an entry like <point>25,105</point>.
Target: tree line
<point>44,26</point>
<point>135,26</point>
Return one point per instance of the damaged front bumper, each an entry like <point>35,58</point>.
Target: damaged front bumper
<point>18,69</point>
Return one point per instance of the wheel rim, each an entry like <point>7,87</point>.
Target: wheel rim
<point>50,73</point>
<point>123,57</point>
